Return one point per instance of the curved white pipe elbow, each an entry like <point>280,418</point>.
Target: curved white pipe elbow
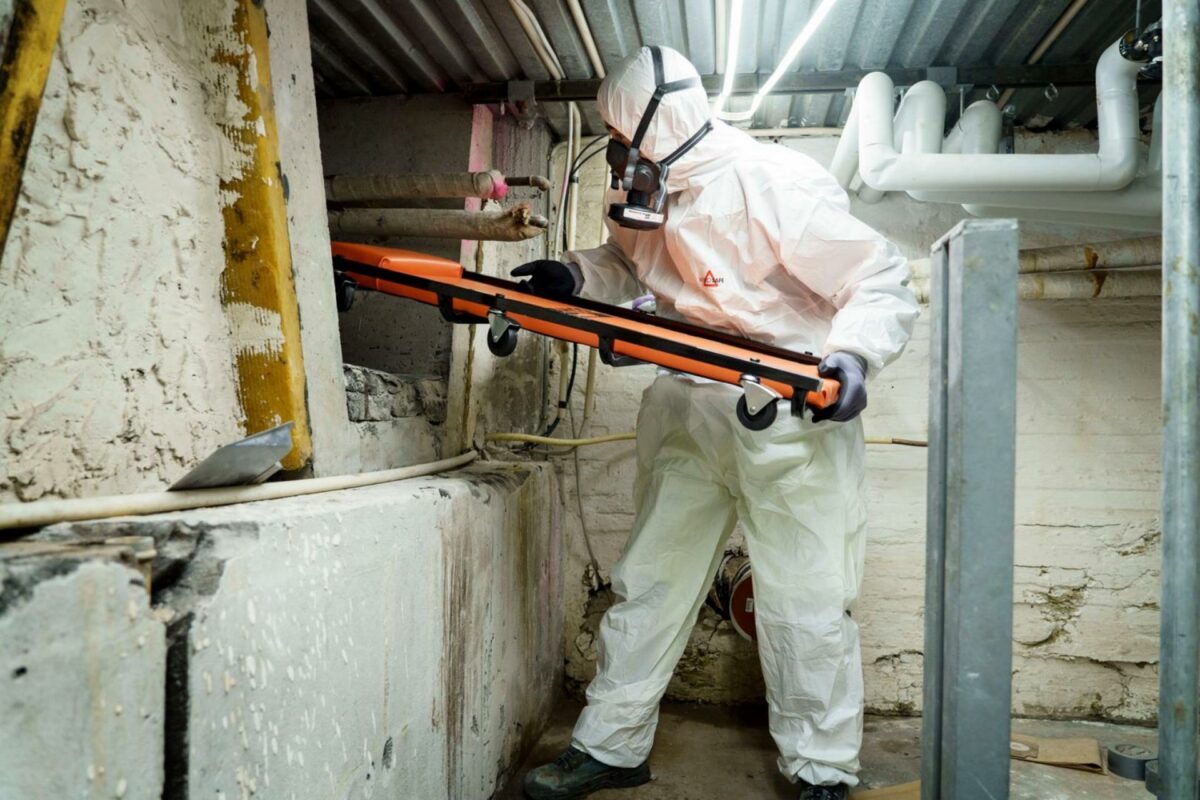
<point>1113,167</point>
<point>978,130</point>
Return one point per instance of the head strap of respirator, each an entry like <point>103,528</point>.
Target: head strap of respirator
<point>645,181</point>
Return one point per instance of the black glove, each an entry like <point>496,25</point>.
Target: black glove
<point>552,279</point>
<point>850,370</point>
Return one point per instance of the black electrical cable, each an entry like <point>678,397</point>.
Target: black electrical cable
<point>572,183</point>
<point>563,404</point>
<point>577,164</point>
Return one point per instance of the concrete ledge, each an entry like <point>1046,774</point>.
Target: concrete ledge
<point>402,640</point>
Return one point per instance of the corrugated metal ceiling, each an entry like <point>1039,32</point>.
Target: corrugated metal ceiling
<point>384,47</point>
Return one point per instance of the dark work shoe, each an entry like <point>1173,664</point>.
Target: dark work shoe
<point>576,774</point>
<point>809,792</point>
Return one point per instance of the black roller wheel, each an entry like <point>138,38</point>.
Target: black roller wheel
<point>505,345</point>
<point>756,422</point>
<point>345,291</point>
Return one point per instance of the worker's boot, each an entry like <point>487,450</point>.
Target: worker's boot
<point>809,792</point>
<point>576,774</point>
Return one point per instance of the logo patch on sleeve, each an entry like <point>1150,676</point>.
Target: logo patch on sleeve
<point>712,281</point>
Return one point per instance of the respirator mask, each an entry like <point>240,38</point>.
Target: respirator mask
<point>645,181</point>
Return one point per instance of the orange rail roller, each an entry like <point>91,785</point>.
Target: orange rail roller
<point>766,374</point>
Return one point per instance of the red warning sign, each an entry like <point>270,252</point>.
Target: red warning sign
<point>710,280</point>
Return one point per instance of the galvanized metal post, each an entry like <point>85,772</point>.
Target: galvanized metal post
<point>969,572</point>
<point>935,531</point>
<point>1179,660</point>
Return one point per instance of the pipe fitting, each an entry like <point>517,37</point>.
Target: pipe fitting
<point>921,167</point>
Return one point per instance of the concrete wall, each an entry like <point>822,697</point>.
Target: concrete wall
<point>413,135</point>
<point>392,641</point>
<point>397,136</point>
<point>1087,551</point>
<point>115,370</point>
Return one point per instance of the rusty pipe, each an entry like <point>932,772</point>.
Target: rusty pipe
<point>536,181</point>
<point>1141,252</point>
<point>1121,253</point>
<point>499,225</point>
<point>1077,285</point>
<point>489,185</point>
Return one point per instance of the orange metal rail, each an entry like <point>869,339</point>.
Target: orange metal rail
<point>622,336</point>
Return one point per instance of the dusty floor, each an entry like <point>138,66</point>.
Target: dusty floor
<point>707,752</point>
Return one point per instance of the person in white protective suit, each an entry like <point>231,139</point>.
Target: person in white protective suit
<point>758,242</point>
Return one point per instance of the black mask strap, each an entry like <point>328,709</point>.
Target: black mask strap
<point>688,145</point>
<point>660,89</point>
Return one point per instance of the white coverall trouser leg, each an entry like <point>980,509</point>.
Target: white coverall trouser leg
<point>797,489</point>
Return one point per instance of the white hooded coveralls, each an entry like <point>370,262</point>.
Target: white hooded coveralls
<point>758,242</point>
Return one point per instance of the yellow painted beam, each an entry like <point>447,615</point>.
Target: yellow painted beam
<point>26,63</point>
<point>258,287</point>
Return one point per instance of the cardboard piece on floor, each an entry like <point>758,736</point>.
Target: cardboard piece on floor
<point>1081,754</point>
<point>905,791</point>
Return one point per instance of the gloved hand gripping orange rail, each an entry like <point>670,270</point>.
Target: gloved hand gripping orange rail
<point>766,374</point>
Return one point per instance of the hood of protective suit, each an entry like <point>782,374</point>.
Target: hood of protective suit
<point>624,95</point>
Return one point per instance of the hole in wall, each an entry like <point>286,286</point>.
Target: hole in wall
<point>20,671</point>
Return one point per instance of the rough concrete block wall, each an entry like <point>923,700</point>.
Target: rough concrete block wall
<point>1087,475</point>
<point>116,373</point>
<point>82,666</point>
<point>397,136</point>
<point>393,419</point>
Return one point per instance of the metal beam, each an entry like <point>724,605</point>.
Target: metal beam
<point>969,568</point>
<point>27,52</point>
<point>1018,76</point>
<point>1179,663</point>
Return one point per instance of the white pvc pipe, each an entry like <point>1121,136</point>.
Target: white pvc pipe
<point>537,38</point>
<point>917,127</point>
<point>844,166</point>
<point>1091,219</point>
<point>585,33</point>
<point>978,130</point>
<point>1113,167</point>
<point>1139,199</point>
<point>791,133</point>
<point>48,512</point>
<point>1138,206</point>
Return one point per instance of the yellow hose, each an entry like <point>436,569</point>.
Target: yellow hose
<point>530,438</point>
<point>891,440</point>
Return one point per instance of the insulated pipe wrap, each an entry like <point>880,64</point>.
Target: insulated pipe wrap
<point>502,225</point>
<point>1085,285</point>
<point>488,185</point>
